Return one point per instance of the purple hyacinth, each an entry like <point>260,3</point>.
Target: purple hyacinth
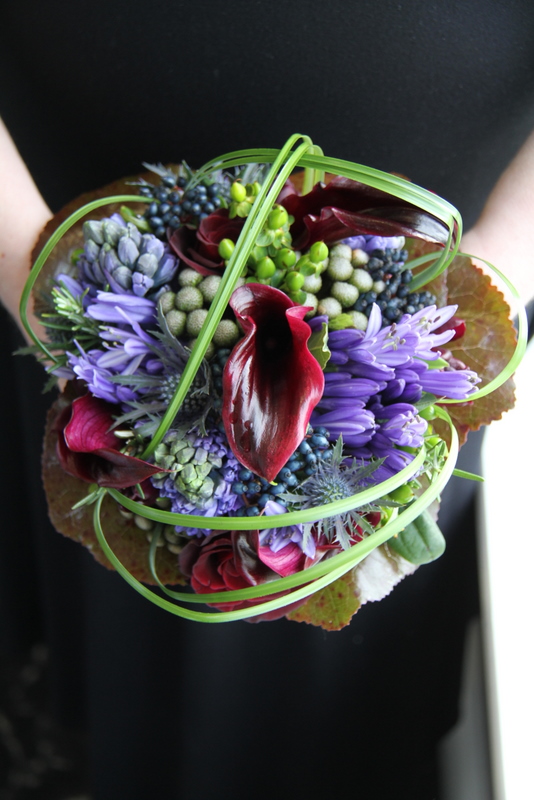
<point>370,243</point>
<point>118,256</point>
<point>203,471</point>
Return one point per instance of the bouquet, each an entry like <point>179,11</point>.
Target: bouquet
<point>268,376</point>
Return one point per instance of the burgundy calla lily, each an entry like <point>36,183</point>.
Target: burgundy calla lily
<point>345,208</point>
<point>271,382</point>
<point>87,448</point>
<point>200,249</point>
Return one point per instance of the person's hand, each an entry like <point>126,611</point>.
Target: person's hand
<point>23,215</point>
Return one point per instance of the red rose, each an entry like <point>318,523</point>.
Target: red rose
<point>227,560</point>
<point>199,249</point>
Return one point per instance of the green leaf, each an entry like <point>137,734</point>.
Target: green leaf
<point>420,542</point>
<point>318,345</point>
<point>332,607</point>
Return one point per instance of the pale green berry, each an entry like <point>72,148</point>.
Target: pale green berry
<point>339,269</point>
<point>313,284</point>
<point>166,302</point>
<point>195,321</point>
<point>359,258</point>
<point>209,287</point>
<point>330,307</point>
<point>189,277</point>
<point>176,321</point>
<point>226,248</point>
<point>341,251</point>
<point>362,280</point>
<point>345,293</point>
<point>210,352</point>
<point>379,286</point>
<point>189,298</point>
<point>359,320</point>
<point>226,333</point>
<point>312,301</point>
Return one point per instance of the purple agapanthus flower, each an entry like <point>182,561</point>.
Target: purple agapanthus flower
<point>379,375</point>
<point>278,538</point>
<point>370,243</point>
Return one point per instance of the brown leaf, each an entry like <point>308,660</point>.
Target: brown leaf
<point>488,343</point>
<point>330,608</point>
<point>128,542</point>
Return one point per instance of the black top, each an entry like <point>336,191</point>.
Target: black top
<point>440,92</point>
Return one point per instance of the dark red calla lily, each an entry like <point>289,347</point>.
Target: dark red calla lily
<point>87,448</point>
<point>345,208</point>
<point>271,382</point>
<point>199,249</point>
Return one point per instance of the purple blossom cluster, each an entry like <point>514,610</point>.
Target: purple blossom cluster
<point>374,378</point>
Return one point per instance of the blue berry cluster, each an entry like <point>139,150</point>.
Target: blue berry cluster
<point>396,299</point>
<point>217,364</point>
<point>256,492</point>
<point>175,205</point>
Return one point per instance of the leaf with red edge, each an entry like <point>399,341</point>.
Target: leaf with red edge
<point>271,382</point>
<point>331,608</point>
<point>487,346</point>
<point>489,341</point>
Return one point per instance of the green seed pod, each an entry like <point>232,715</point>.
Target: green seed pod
<point>286,258</point>
<point>277,218</point>
<point>339,269</point>
<point>210,352</point>
<point>238,192</point>
<point>226,248</point>
<point>345,293</point>
<point>189,277</point>
<point>189,298</point>
<point>166,302</point>
<point>361,280</point>
<point>330,307</point>
<point>318,251</point>
<point>295,281</point>
<point>402,494</point>
<point>176,321</point>
<point>265,268</point>
<point>195,321</point>
<point>428,413</point>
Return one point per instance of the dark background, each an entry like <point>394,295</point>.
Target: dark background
<point>441,92</point>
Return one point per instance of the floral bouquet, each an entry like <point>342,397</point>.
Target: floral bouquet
<point>259,366</point>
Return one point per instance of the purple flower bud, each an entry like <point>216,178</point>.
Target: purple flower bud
<point>123,276</point>
<point>167,268</point>
<point>147,265</point>
<point>92,230</point>
<point>128,252</point>
<point>150,244</point>
<point>112,231</point>
<point>91,250</point>
<point>141,284</point>
<point>111,261</point>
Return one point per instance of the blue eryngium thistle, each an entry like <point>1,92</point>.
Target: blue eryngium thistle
<point>335,479</point>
